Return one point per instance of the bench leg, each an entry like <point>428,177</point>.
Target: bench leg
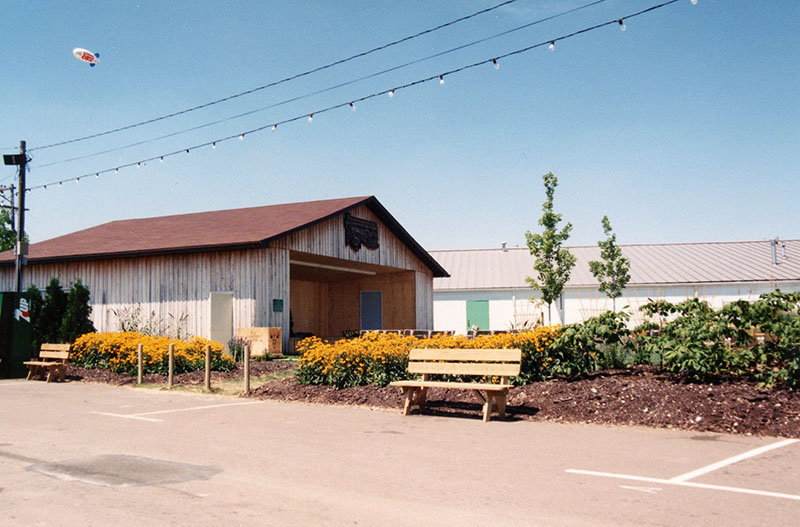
<point>414,397</point>
<point>31,369</point>
<point>49,374</point>
<point>501,404</point>
<point>487,407</point>
<point>409,393</point>
<point>422,396</point>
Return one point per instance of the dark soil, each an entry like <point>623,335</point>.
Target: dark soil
<point>640,396</point>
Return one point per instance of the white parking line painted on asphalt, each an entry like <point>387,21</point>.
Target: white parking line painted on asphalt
<point>129,417</point>
<point>683,479</point>
<point>731,460</point>
<point>686,484</point>
<point>192,408</point>
<point>140,415</point>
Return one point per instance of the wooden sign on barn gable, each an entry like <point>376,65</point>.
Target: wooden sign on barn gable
<point>358,232</point>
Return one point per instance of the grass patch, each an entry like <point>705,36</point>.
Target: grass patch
<point>231,387</point>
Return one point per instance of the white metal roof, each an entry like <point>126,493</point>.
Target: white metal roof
<point>674,263</point>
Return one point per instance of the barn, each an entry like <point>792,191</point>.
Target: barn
<point>318,267</point>
<point>487,287</point>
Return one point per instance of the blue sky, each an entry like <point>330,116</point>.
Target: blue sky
<point>682,128</point>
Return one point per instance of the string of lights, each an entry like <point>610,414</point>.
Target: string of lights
<point>494,61</point>
<point>281,81</point>
<point>324,90</point>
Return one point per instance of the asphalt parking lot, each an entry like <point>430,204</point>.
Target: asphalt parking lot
<point>83,454</point>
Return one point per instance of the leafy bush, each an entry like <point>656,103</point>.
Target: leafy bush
<point>77,313</point>
<point>52,313</point>
<point>118,352</point>
<point>705,345</point>
<point>601,342</point>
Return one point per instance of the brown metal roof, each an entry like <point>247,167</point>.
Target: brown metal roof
<point>236,228</point>
<point>674,263</point>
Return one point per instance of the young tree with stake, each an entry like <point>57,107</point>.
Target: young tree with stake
<point>612,272</point>
<point>553,263</point>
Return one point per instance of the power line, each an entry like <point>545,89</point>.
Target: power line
<point>390,92</point>
<point>275,83</point>
<point>330,88</point>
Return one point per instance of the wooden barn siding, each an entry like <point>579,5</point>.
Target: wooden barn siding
<point>327,239</point>
<point>424,299</point>
<point>171,286</point>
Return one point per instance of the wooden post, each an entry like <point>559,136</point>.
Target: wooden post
<point>139,376</point>
<point>208,368</point>
<point>171,374</point>
<point>247,369</point>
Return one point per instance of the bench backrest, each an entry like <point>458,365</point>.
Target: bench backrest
<point>483,362</point>
<point>54,351</point>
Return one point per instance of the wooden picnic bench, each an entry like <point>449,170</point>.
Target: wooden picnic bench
<point>502,363</point>
<point>53,358</point>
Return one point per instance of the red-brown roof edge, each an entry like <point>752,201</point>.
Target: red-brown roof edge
<point>371,202</point>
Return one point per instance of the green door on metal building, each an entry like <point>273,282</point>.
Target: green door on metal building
<point>477,314</point>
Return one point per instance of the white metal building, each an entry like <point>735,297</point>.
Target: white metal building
<point>487,287</point>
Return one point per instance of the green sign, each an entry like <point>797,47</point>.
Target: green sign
<point>277,305</point>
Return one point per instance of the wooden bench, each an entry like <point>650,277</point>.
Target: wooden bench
<point>53,358</point>
<point>503,363</point>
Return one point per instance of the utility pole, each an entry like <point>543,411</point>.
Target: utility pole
<point>22,248</point>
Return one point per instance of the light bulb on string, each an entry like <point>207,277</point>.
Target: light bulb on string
<point>274,127</point>
<point>116,170</point>
<point>97,175</point>
<point>139,164</point>
<point>310,117</point>
<point>213,145</point>
<point>622,26</point>
<point>441,79</point>
<point>161,159</point>
<point>188,153</point>
<point>59,183</point>
<point>77,180</point>
<point>496,64</point>
<point>241,137</point>
<point>391,92</point>
<point>552,45</point>
<point>352,107</point>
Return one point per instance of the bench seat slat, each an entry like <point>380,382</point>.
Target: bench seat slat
<point>42,363</point>
<point>455,385</point>
<point>495,355</point>
<point>464,368</point>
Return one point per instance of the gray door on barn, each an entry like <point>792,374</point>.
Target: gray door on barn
<point>371,312</point>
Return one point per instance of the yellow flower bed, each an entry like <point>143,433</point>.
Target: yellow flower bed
<point>379,358</point>
<point>119,353</point>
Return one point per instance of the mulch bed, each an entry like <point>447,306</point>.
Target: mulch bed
<point>638,396</point>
